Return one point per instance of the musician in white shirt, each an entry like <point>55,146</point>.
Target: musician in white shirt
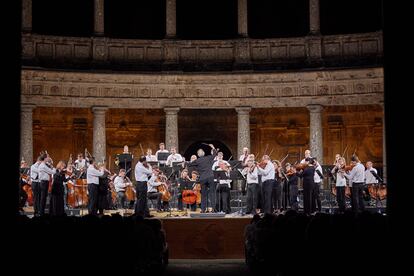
<point>268,179</point>
<point>245,156</point>
<point>161,150</point>
<point>357,178</point>
<point>81,164</point>
<point>223,188</point>
<point>92,178</point>
<point>252,181</point>
<point>121,185</point>
<point>142,172</point>
<point>173,157</point>
<point>34,176</point>
<point>307,155</point>
<point>46,171</point>
<point>150,157</point>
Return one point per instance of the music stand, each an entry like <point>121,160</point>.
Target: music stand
<point>125,162</point>
<point>176,167</point>
<point>162,156</point>
<point>153,163</point>
<point>220,175</point>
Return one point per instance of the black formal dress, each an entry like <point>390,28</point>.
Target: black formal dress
<point>308,183</point>
<point>57,204</point>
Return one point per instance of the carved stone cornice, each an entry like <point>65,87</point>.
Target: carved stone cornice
<point>224,90</point>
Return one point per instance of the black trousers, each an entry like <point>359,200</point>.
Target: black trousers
<point>22,196</point>
<point>277,195</point>
<point>223,198</point>
<point>93,199</point>
<point>36,197</point>
<point>157,196</point>
<point>340,198</point>
<point>293,197</point>
<point>307,197</point>
<point>44,187</point>
<point>267,191</point>
<point>141,208</point>
<point>358,197</point>
<point>316,199</point>
<point>252,197</point>
<point>208,193</point>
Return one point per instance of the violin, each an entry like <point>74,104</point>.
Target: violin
<point>262,164</point>
<point>348,167</point>
<point>301,166</point>
<point>290,172</point>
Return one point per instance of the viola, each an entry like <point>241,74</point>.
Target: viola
<point>301,166</point>
<point>262,164</point>
<point>290,172</point>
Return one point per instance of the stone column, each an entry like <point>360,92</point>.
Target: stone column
<point>26,132</point>
<point>99,132</point>
<point>314,20</point>
<point>171,127</point>
<point>315,131</point>
<point>242,18</point>
<point>27,16</point>
<point>171,27</point>
<point>98,27</point>
<point>243,129</point>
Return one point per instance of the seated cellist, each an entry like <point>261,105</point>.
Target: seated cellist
<point>185,184</point>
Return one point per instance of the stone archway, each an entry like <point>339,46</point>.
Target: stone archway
<point>192,149</point>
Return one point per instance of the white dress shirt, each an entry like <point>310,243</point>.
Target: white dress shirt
<point>142,173</point>
<point>45,172</point>
<point>252,177</point>
<point>174,158</point>
<point>152,184</point>
<point>34,172</point>
<point>369,177</point>
<point>268,172</point>
<point>92,175</point>
<point>80,164</point>
<point>120,184</point>
<point>340,178</point>
<point>357,174</point>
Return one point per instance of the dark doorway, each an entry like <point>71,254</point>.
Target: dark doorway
<point>192,149</point>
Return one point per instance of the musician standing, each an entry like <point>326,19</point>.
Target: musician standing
<point>208,187</point>
<point>252,181</point>
<point>223,188</point>
<point>142,172</point>
<point>24,180</point>
<point>277,187</point>
<point>161,150</point>
<point>92,176</point>
<point>371,176</point>
<point>307,155</point>
<point>357,177</point>
<point>293,186</point>
<point>268,179</point>
<point>45,173</point>
<point>150,157</point>
<point>318,177</point>
<point>57,205</point>
<point>125,160</point>
<point>34,176</point>
<point>81,165</point>
<point>340,183</point>
<point>308,175</point>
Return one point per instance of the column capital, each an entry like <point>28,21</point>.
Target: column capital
<point>171,110</point>
<point>27,107</point>
<point>99,109</point>
<point>241,110</point>
<point>315,108</point>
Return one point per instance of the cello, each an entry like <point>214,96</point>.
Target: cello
<point>163,189</point>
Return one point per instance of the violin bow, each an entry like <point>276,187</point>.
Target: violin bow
<point>264,153</point>
<point>284,158</point>
<point>142,150</point>
<point>270,154</point>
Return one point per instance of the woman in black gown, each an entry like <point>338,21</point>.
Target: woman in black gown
<point>57,207</point>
